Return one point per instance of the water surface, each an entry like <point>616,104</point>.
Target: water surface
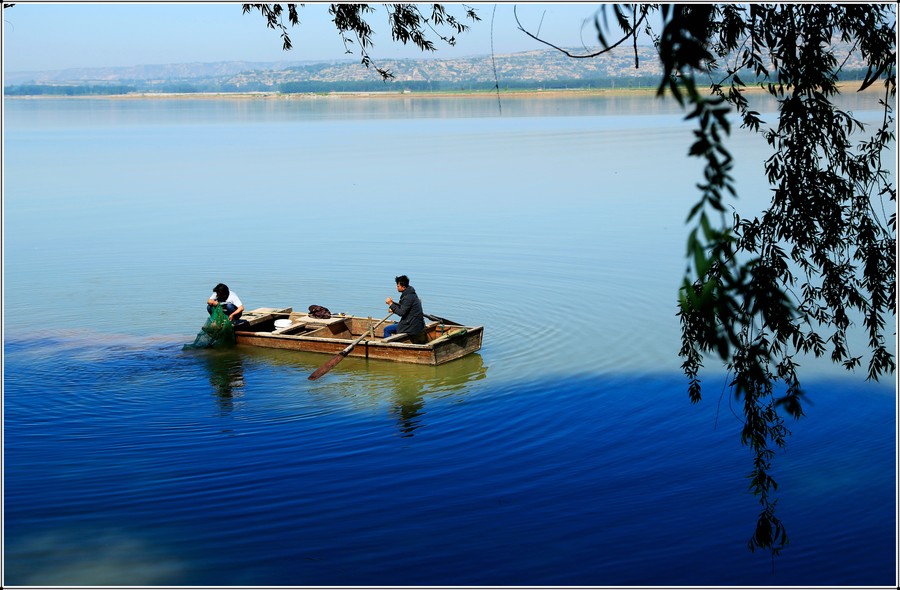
<point>565,452</point>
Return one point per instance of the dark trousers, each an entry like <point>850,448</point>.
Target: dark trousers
<point>419,338</point>
<point>228,308</point>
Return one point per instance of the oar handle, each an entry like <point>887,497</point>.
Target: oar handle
<point>435,318</point>
<point>342,354</point>
<point>347,350</point>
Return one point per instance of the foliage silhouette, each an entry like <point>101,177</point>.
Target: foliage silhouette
<point>760,291</point>
<point>408,25</point>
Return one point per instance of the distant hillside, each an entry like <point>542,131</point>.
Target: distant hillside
<point>150,72</point>
<point>535,69</point>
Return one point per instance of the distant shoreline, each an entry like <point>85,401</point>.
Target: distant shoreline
<point>555,93</point>
<point>273,95</point>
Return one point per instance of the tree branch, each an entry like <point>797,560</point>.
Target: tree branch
<point>572,55</point>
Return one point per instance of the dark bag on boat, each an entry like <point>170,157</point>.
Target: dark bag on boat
<point>319,312</point>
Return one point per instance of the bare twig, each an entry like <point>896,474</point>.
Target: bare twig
<point>568,53</point>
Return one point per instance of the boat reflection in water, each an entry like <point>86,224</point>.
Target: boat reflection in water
<point>357,385</point>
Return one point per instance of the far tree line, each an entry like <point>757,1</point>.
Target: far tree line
<point>376,85</point>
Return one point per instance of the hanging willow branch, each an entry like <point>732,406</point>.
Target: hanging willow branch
<point>407,22</point>
<point>760,291</point>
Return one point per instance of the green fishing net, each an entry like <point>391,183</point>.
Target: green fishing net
<point>217,331</point>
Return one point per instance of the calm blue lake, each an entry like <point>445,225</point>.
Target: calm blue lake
<point>565,452</point>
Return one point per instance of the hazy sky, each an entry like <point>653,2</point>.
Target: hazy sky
<point>42,36</point>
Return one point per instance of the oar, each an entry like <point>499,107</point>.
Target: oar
<point>435,318</point>
<point>340,356</point>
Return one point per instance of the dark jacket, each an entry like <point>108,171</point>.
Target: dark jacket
<point>409,308</point>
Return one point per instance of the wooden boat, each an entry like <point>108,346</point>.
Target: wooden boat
<point>442,341</point>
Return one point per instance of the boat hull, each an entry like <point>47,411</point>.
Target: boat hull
<point>441,343</point>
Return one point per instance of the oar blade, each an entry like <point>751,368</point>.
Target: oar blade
<point>326,367</point>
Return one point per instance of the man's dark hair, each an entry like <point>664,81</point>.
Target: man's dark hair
<point>402,280</point>
<point>222,292</point>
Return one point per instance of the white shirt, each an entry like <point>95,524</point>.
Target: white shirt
<point>232,298</point>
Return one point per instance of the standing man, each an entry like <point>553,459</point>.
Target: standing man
<point>409,308</point>
<point>230,302</point>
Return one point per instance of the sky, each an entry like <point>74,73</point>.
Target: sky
<point>41,36</point>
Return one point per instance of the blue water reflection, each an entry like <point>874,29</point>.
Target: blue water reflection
<point>232,468</point>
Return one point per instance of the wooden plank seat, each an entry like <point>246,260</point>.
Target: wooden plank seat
<point>294,327</point>
<point>317,322</point>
